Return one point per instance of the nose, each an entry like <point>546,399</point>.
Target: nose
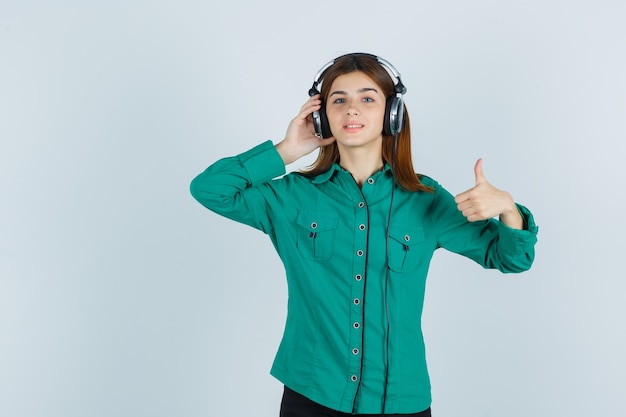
<point>352,110</point>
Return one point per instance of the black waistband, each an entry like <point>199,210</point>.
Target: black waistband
<point>297,405</point>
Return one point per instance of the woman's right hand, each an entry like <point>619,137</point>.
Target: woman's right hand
<point>300,138</point>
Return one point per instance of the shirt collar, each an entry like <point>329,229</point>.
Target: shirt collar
<point>326,176</point>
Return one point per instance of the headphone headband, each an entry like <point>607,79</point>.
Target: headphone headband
<point>399,86</point>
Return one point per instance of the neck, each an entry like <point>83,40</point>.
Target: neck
<point>361,163</point>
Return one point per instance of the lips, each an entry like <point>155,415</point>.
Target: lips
<point>353,127</point>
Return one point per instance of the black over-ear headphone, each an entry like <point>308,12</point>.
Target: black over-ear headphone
<point>394,111</point>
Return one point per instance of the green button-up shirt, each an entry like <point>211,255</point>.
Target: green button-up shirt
<point>350,287</point>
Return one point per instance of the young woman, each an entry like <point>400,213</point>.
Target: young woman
<point>356,233</point>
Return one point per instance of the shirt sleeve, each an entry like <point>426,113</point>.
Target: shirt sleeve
<point>229,186</point>
<point>490,243</point>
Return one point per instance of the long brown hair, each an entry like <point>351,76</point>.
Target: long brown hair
<point>328,155</point>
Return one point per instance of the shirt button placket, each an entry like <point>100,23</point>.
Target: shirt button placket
<point>356,334</point>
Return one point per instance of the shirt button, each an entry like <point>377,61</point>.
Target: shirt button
<point>356,325</point>
<point>356,301</point>
<point>370,180</point>
<point>353,378</point>
<point>361,227</point>
<point>359,252</point>
<point>355,351</point>
<point>407,238</point>
<point>358,277</point>
<point>361,204</point>
<point>314,225</point>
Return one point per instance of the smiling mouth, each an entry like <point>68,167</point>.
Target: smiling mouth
<point>351,126</point>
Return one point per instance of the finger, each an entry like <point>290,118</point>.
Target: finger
<point>475,218</point>
<point>469,212</point>
<point>472,214</point>
<point>464,206</point>
<point>478,172</point>
<point>311,103</point>
<point>308,109</point>
<point>313,99</point>
<point>464,196</point>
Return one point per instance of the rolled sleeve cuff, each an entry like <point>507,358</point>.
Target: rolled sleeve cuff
<point>262,163</point>
<point>519,241</point>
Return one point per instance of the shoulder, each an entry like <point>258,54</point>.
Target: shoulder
<point>429,182</point>
<point>426,180</point>
<point>438,190</point>
<point>298,177</point>
<point>291,180</point>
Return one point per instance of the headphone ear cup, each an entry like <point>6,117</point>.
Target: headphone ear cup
<point>317,123</point>
<point>325,126</point>
<point>394,116</point>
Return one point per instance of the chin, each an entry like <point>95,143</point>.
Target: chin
<point>359,142</point>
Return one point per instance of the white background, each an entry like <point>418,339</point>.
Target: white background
<point>121,296</point>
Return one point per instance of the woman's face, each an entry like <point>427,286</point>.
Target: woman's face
<point>355,109</point>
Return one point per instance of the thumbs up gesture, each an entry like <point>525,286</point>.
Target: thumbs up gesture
<point>484,201</point>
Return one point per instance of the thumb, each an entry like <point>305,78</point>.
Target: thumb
<point>478,172</point>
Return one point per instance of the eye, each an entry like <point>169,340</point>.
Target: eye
<point>368,100</point>
<point>339,100</point>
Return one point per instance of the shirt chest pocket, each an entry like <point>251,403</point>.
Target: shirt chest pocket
<point>316,234</point>
<point>404,249</point>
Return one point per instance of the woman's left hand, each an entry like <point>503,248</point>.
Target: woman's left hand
<point>484,201</point>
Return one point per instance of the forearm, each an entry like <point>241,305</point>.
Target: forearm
<point>288,153</point>
<point>225,187</point>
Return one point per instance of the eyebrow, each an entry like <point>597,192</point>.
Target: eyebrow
<point>359,91</point>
